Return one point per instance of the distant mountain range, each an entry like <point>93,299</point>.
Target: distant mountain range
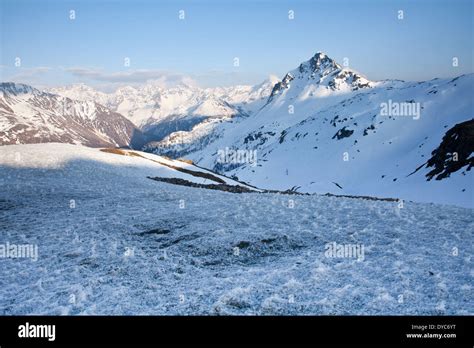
<point>322,128</point>
<point>159,112</point>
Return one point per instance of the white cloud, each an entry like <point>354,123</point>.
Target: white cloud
<point>28,73</point>
<point>34,76</point>
<point>164,78</point>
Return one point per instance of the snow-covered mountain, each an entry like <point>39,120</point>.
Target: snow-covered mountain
<point>328,129</point>
<point>28,115</point>
<point>320,77</point>
<point>161,112</point>
<point>323,128</point>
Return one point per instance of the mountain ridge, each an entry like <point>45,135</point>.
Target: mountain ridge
<point>29,115</point>
<point>377,138</point>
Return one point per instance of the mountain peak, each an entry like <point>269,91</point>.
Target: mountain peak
<point>321,71</point>
<point>15,88</point>
<point>320,56</point>
<point>319,63</point>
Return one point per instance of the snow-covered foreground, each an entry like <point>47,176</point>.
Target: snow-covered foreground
<point>111,241</point>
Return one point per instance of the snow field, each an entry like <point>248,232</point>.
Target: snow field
<point>131,245</point>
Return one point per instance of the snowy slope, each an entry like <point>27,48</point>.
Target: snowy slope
<point>322,130</point>
<point>28,115</point>
<point>126,247</point>
<point>136,164</point>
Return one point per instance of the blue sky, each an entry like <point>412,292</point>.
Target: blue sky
<point>92,48</point>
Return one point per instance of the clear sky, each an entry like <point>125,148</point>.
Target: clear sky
<point>55,49</point>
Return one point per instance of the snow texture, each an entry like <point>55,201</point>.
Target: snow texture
<point>132,245</point>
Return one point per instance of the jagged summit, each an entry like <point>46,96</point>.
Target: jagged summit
<point>321,71</point>
<point>318,63</point>
<point>326,71</point>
